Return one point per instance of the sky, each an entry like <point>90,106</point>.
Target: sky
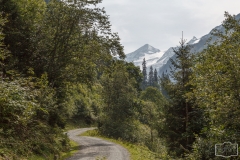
<point>160,22</point>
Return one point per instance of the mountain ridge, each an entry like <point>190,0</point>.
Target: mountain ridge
<point>150,53</point>
<point>163,63</point>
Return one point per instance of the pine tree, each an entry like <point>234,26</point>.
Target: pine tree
<point>155,77</point>
<point>182,121</point>
<point>150,77</point>
<point>144,72</point>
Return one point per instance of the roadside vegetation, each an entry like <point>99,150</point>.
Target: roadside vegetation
<point>74,147</point>
<point>137,151</point>
<point>59,71</point>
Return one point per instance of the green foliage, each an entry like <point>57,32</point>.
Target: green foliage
<point>135,73</point>
<point>216,81</point>
<point>22,17</point>
<point>4,53</point>
<point>56,53</point>
<point>87,101</point>
<point>24,119</point>
<point>153,95</point>
<point>151,114</point>
<point>123,115</point>
<point>119,102</point>
<point>73,43</point>
<point>152,107</point>
<point>183,117</point>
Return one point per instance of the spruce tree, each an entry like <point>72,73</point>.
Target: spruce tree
<point>150,77</point>
<point>144,72</point>
<point>182,120</point>
<point>155,77</point>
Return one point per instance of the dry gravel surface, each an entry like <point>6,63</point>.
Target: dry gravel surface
<point>92,148</point>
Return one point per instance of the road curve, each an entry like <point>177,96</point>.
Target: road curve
<point>91,148</point>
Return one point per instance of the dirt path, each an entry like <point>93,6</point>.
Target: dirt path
<point>92,148</point>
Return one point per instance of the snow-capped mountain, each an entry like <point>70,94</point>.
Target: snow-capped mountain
<point>161,59</point>
<point>197,45</point>
<point>193,40</point>
<point>162,65</point>
<point>151,55</point>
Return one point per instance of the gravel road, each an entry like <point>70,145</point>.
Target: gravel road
<point>92,148</point>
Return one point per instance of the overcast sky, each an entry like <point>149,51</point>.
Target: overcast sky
<point>160,22</point>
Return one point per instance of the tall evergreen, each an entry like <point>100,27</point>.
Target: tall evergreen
<point>155,77</point>
<point>144,72</point>
<point>182,121</point>
<point>150,77</point>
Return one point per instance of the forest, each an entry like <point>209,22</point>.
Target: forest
<point>61,63</point>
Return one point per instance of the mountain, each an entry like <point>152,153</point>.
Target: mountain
<point>148,52</point>
<point>197,45</point>
<point>193,40</point>
<point>161,60</point>
<point>153,56</point>
<point>163,64</point>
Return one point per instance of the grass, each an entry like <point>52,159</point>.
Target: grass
<point>137,152</point>
<point>73,149</point>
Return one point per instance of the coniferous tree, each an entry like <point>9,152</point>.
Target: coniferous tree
<point>150,77</point>
<point>164,81</point>
<point>155,77</point>
<point>144,72</point>
<point>182,120</point>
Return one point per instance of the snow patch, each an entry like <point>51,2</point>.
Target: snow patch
<point>196,41</point>
<point>151,59</point>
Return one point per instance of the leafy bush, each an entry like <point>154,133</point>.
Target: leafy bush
<point>24,117</point>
